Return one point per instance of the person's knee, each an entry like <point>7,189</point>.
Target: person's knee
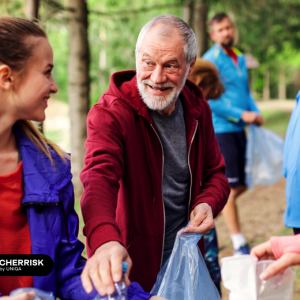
<point>237,191</point>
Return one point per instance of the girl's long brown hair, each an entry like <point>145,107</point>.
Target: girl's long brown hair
<point>16,53</point>
<point>205,75</point>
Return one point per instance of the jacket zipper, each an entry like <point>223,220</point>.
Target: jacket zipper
<point>191,170</point>
<point>39,203</point>
<point>162,174</point>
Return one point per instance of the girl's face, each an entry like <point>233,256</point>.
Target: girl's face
<point>36,84</point>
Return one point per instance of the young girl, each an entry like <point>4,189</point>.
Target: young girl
<point>37,213</point>
<point>206,76</point>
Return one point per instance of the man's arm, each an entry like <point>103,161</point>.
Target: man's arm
<point>215,189</point>
<point>100,177</point>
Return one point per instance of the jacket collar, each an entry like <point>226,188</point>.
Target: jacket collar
<point>123,86</point>
<point>42,180</point>
<point>235,50</point>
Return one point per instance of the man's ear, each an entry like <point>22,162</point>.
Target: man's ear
<point>211,34</point>
<point>5,77</point>
<point>192,66</point>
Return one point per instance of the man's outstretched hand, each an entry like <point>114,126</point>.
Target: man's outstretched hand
<point>202,220</point>
<point>105,267</point>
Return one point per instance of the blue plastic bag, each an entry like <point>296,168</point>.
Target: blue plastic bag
<point>184,276</point>
<point>39,294</point>
<point>264,157</point>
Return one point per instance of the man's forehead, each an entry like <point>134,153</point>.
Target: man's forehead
<point>169,55</point>
<point>217,25</point>
<point>166,45</point>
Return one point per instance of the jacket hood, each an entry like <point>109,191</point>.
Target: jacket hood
<point>123,86</point>
<point>42,180</point>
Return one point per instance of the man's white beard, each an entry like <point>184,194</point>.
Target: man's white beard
<point>159,102</point>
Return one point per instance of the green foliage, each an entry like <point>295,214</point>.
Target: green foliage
<point>113,36</point>
<point>268,29</point>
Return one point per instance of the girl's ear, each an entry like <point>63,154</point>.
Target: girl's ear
<point>5,77</point>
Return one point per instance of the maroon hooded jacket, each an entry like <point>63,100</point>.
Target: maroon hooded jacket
<point>122,177</point>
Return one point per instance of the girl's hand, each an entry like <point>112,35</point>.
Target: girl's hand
<point>264,251</point>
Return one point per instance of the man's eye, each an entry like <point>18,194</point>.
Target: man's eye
<point>170,66</point>
<point>148,63</point>
<point>48,72</point>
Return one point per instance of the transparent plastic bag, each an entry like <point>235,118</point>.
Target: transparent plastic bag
<point>240,275</point>
<point>184,276</point>
<point>39,294</point>
<point>264,156</point>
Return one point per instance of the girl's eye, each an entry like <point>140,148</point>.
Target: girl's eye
<point>48,72</point>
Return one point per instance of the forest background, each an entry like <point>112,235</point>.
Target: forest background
<point>94,38</point>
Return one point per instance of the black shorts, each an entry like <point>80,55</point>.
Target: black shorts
<point>233,148</point>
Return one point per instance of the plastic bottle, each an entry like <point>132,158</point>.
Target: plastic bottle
<point>120,292</point>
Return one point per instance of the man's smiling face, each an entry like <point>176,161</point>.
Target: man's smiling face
<point>161,69</point>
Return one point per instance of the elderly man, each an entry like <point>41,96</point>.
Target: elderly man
<point>152,161</point>
<point>231,112</point>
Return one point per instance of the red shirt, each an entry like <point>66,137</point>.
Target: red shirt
<point>14,229</point>
<point>232,54</point>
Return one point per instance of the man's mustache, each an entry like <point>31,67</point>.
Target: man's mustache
<point>158,85</point>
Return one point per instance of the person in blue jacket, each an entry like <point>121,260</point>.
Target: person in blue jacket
<point>36,193</point>
<point>231,112</point>
<point>291,170</point>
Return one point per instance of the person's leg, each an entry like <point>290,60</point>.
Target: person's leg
<point>296,230</point>
<point>212,258</point>
<point>230,212</point>
<point>233,148</point>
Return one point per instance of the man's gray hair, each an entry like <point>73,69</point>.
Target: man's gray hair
<point>168,23</point>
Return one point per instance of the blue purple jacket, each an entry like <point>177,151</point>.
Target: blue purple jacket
<point>48,201</point>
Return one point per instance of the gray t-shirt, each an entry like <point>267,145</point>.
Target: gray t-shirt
<point>176,175</point>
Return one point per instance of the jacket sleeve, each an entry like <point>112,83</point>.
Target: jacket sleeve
<point>285,244</point>
<point>223,108</point>
<point>215,188</point>
<point>69,263</point>
<point>103,169</point>
<point>135,292</point>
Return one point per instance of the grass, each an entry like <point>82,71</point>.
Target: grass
<point>277,121</point>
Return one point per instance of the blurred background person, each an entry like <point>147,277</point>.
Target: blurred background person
<point>291,170</point>
<point>231,112</point>
<point>205,75</point>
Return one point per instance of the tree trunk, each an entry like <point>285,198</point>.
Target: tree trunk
<point>266,90</point>
<point>282,85</point>
<point>199,27</point>
<point>188,12</point>
<point>32,11</point>
<point>195,14</point>
<point>32,14</point>
<point>79,86</point>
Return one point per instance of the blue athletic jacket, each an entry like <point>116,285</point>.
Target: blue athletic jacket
<point>291,168</point>
<point>227,110</point>
<point>48,201</point>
